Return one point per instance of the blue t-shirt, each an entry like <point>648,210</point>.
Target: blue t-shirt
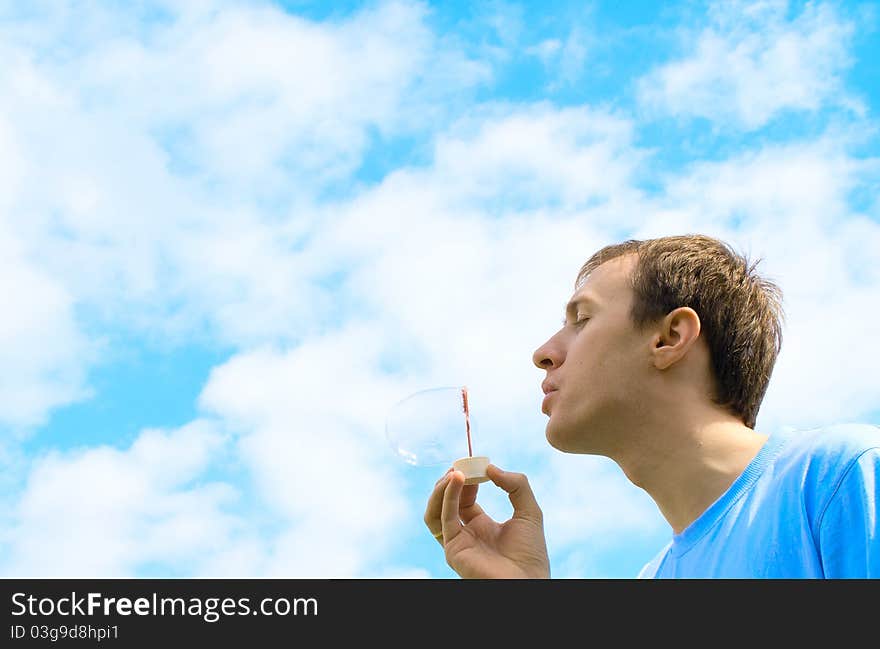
<point>805,507</point>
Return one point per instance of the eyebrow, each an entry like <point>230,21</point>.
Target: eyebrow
<point>571,307</point>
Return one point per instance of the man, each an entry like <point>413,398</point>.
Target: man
<point>661,365</point>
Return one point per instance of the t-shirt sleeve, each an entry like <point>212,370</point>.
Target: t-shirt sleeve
<point>849,535</point>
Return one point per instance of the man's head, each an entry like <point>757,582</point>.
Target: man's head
<point>679,321</point>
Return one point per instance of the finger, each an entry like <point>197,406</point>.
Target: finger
<point>468,495</point>
<point>518,491</point>
<point>449,515</point>
<point>434,508</point>
<point>468,508</point>
<point>468,514</point>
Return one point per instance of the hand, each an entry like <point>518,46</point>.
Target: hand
<point>478,547</point>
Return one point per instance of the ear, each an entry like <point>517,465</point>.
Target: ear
<point>678,331</point>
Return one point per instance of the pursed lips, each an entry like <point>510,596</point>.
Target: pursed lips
<point>548,389</point>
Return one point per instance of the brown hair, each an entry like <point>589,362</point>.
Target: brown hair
<point>740,312</point>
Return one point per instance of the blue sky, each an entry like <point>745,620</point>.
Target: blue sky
<point>235,233</point>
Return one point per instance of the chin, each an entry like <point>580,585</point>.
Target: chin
<point>577,436</point>
<point>559,438</point>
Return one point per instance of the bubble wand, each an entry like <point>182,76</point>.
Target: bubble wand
<point>467,420</point>
<point>473,468</point>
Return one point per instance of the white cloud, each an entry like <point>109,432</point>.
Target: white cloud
<point>753,63</point>
<point>41,348</point>
<point>538,156</point>
<point>42,351</point>
<point>564,60</point>
<point>264,100</point>
<point>546,50</point>
<point>573,56</point>
<point>312,438</point>
<point>197,122</point>
<point>138,159</point>
<point>105,512</point>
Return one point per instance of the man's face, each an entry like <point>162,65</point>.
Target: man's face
<point>595,364</point>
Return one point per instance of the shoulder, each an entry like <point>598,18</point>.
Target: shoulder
<point>815,462</point>
<point>836,444</point>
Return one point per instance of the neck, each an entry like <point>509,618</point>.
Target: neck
<point>687,466</point>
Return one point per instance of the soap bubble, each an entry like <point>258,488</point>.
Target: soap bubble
<point>429,427</point>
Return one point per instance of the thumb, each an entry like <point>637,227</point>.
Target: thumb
<point>518,490</point>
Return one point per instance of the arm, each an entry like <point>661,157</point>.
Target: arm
<point>478,547</point>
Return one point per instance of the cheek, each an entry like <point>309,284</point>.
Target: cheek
<point>622,377</point>
<point>600,383</point>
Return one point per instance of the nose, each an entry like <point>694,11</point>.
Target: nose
<point>550,355</point>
